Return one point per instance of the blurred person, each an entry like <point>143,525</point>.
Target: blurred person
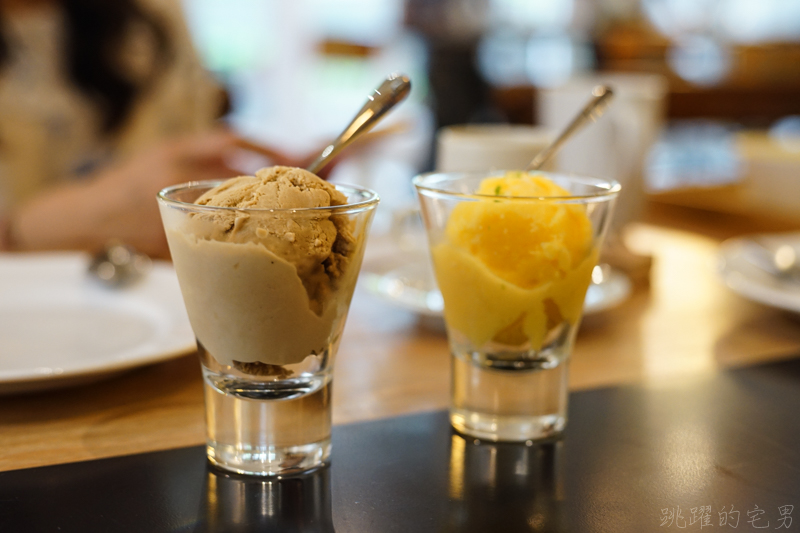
<point>102,104</point>
<point>452,30</point>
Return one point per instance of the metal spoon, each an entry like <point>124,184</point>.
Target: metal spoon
<point>782,262</point>
<point>391,92</point>
<point>119,265</point>
<point>593,110</point>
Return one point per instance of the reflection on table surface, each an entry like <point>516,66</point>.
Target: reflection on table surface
<point>504,486</point>
<point>491,487</point>
<point>233,503</point>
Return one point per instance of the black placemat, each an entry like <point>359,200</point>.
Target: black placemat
<point>634,459</point>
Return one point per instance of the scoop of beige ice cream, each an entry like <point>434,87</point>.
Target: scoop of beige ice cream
<point>274,188</point>
<point>266,280</point>
<point>316,243</point>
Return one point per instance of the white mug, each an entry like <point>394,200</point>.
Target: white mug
<point>615,147</point>
<point>484,147</point>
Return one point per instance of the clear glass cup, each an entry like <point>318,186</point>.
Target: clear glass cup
<point>513,273</point>
<point>268,315</point>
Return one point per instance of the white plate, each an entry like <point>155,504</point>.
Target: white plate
<point>742,276</point>
<point>408,281</point>
<point>59,327</point>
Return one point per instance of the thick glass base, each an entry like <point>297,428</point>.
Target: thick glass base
<point>513,399</point>
<point>268,460</point>
<point>496,428</point>
<point>267,427</point>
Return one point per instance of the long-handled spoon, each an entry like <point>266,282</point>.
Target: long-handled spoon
<point>118,265</point>
<point>391,92</point>
<point>593,110</point>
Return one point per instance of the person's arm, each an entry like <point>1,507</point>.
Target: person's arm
<point>118,203</point>
<point>6,236</point>
<point>80,216</point>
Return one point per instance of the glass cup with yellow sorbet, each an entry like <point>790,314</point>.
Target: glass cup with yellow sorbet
<point>513,254</point>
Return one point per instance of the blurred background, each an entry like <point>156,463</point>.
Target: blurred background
<point>725,99</point>
<point>704,134</point>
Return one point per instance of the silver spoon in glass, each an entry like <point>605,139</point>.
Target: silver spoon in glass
<point>593,110</point>
<point>118,264</point>
<point>390,93</point>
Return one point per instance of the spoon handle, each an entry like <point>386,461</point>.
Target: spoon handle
<point>593,110</point>
<point>391,92</point>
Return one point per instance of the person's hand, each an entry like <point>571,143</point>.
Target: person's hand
<point>131,187</point>
<point>119,202</point>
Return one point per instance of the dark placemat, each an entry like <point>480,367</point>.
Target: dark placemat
<point>705,455</point>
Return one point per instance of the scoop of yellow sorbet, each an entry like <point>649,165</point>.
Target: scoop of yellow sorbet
<point>510,270</point>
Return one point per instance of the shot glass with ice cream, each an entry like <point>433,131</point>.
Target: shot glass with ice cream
<point>267,265</point>
<point>513,254</point>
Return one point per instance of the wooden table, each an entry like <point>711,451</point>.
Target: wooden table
<point>684,325</point>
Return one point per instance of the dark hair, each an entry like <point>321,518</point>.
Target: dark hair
<point>96,32</point>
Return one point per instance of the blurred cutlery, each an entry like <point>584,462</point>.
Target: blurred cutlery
<point>119,265</point>
<point>780,261</point>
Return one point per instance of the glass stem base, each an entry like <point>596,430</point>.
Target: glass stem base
<point>267,428</point>
<point>499,428</point>
<point>268,460</point>
<point>508,404</point>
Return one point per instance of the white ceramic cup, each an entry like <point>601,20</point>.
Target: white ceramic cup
<point>485,147</point>
<point>615,147</point>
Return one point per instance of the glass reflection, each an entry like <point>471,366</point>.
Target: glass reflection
<point>505,487</point>
<point>234,504</point>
